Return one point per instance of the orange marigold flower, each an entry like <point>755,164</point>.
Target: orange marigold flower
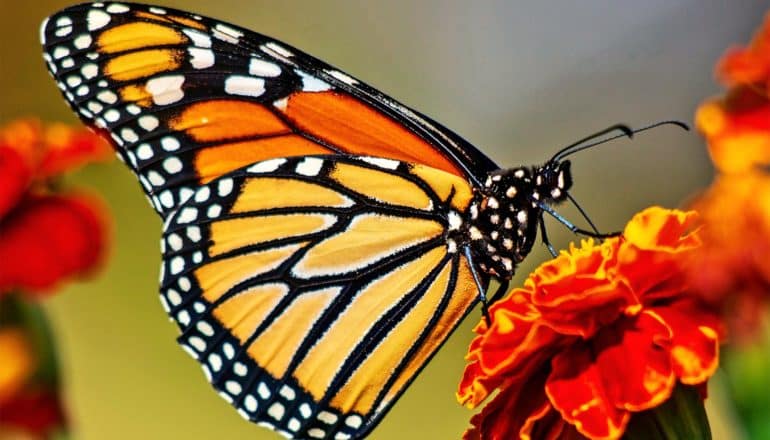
<point>50,238</point>
<point>732,270</point>
<point>749,65</point>
<point>45,236</point>
<point>737,127</point>
<point>595,334</point>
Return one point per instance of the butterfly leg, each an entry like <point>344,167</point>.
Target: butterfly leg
<point>544,236</point>
<point>477,280</point>
<point>572,227</point>
<point>502,288</point>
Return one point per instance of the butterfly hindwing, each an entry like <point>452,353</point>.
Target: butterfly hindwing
<point>187,99</point>
<point>313,289</point>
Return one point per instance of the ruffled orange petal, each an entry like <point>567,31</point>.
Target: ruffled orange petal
<point>737,128</point>
<point>575,388</point>
<point>748,65</point>
<point>513,413</point>
<point>695,341</point>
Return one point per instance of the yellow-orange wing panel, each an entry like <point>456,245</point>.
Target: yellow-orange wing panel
<point>187,99</point>
<point>313,289</point>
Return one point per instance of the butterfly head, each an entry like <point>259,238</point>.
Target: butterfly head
<point>506,212</point>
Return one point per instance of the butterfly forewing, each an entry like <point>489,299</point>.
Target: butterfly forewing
<point>311,312</point>
<point>188,99</point>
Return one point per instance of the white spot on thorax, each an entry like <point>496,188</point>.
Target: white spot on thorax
<point>511,192</point>
<point>455,221</point>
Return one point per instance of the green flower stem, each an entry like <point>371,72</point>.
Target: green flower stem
<point>681,417</point>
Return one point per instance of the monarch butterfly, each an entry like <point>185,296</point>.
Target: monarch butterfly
<point>320,240</point>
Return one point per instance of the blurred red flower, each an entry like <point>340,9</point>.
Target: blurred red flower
<point>737,126</point>
<point>594,335</point>
<point>47,235</point>
<point>732,269</point>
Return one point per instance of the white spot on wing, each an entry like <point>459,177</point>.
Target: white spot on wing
<point>89,70</point>
<point>226,33</point>
<point>83,41</point>
<point>388,164</point>
<point>263,68</point>
<point>97,19</point>
<point>276,411</point>
<point>244,85</point>
<point>310,166</point>
<point>342,77</point>
<point>148,122</point>
<point>266,166</point>
<point>117,8</point>
<point>198,38</point>
<point>311,83</point>
<point>166,89</point>
<point>277,48</point>
<point>201,58</point>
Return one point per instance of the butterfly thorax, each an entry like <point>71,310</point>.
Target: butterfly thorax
<point>504,216</point>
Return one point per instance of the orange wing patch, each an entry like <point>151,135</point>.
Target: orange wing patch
<point>359,129</point>
<point>323,362</point>
<point>138,35</point>
<point>460,300</point>
<point>242,313</point>
<point>217,160</point>
<point>356,247</point>
<point>223,119</point>
<point>259,194</point>
<point>381,186</point>
<point>276,346</point>
<point>364,386</point>
<point>231,234</point>
<point>143,63</point>
<point>217,277</point>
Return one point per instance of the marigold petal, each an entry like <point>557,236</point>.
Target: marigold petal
<point>575,388</point>
<point>737,128</point>
<point>697,333</point>
<point>48,238</point>
<point>750,64</point>
<point>513,413</point>
<point>15,177</point>
<point>68,148</point>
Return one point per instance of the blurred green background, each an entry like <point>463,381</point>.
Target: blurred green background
<point>518,79</point>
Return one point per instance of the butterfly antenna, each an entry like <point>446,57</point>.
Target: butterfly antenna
<point>625,129</point>
<point>577,146</point>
